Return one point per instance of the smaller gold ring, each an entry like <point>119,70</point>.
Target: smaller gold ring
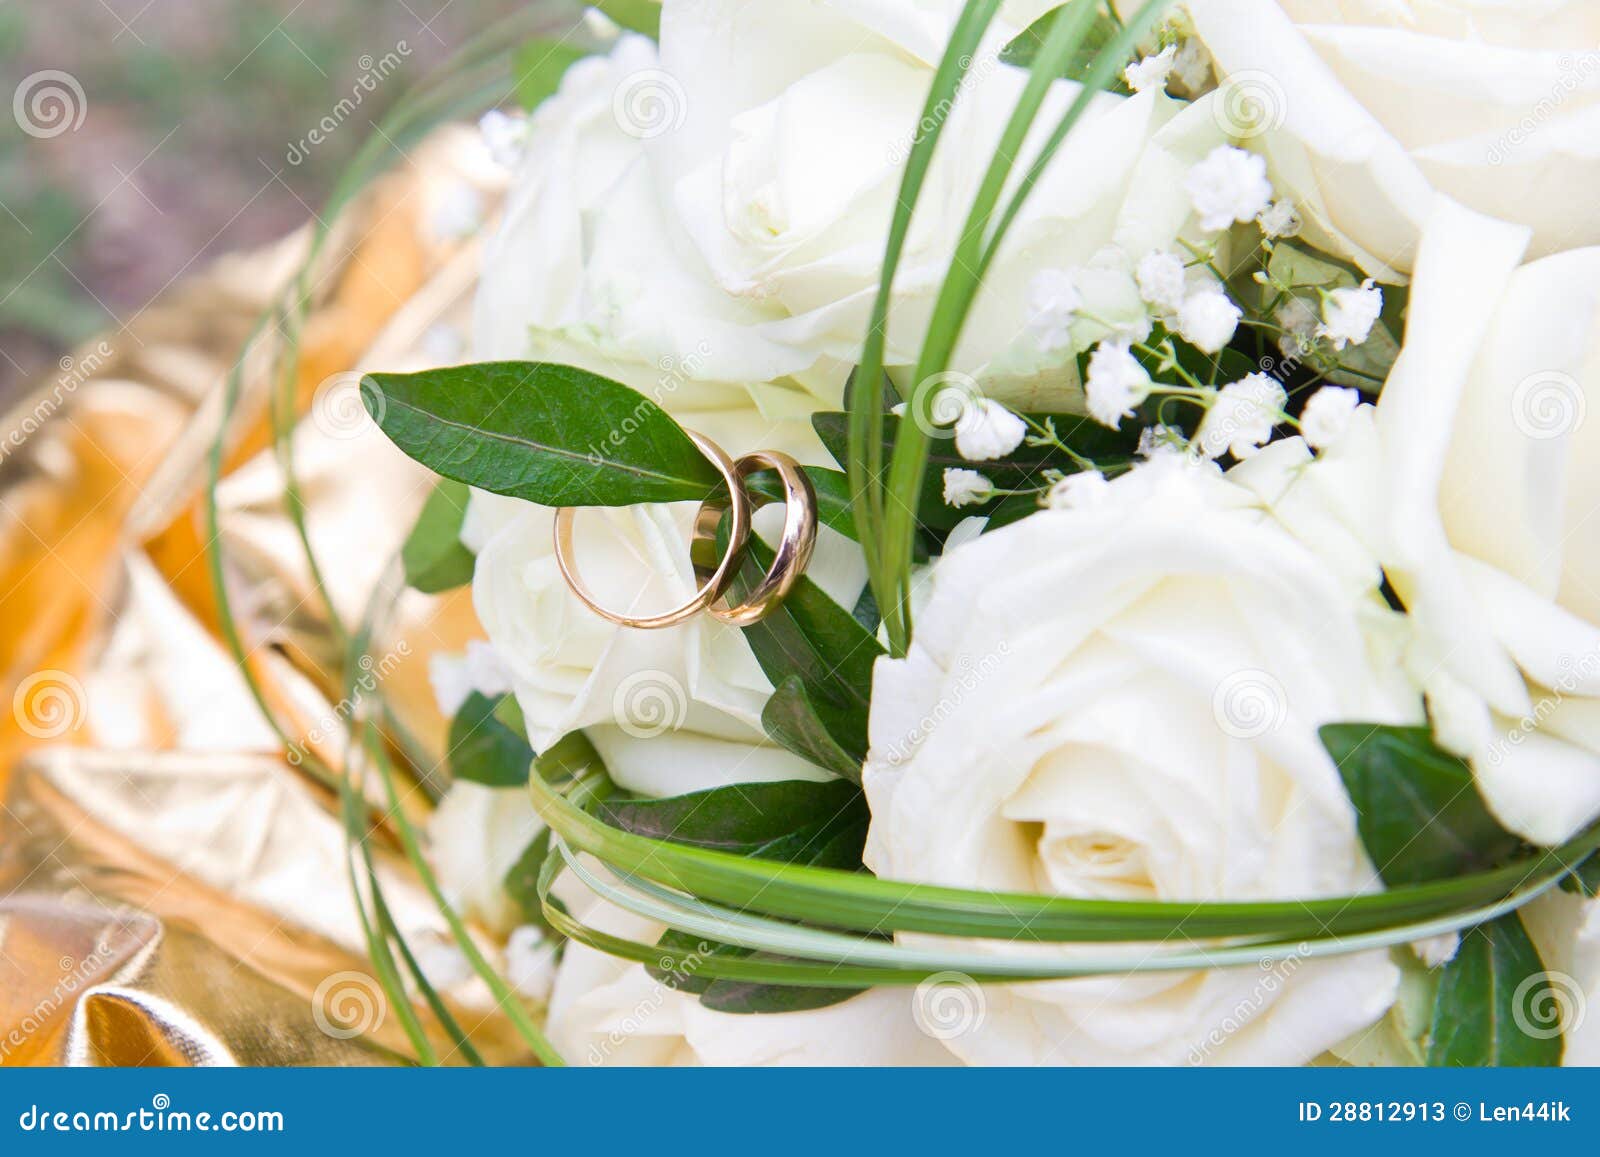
<point>794,548</point>
<point>712,585</point>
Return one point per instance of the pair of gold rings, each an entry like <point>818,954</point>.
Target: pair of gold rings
<point>715,570</point>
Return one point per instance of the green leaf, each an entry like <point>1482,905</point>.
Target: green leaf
<point>550,434</point>
<point>794,821</point>
<point>642,16</point>
<point>813,638</point>
<point>1024,48</point>
<point>799,725</point>
<point>1489,1007</point>
<point>433,557</point>
<point>483,749</point>
<point>791,821</point>
<point>1584,879</point>
<point>522,880</point>
<point>1420,816</point>
<point>538,67</point>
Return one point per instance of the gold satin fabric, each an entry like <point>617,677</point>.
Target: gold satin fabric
<point>173,891</point>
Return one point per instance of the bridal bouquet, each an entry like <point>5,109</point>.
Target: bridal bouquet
<point>1026,533</point>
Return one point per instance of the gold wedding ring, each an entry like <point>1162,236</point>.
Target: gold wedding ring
<point>712,583</point>
<point>794,548</point>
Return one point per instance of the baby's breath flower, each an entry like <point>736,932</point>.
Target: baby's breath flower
<point>1161,280</point>
<point>1159,439</point>
<point>1117,382</point>
<point>1327,415</point>
<point>964,487</point>
<point>1241,417</point>
<point>1299,322</point>
<point>1053,305</point>
<point>505,135</point>
<point>1151,71</point>
<point>1207,319</point>
<point>986,430</point>
<point>1279,219</point>
<point>1349,313</point>
<point>1229,185</point>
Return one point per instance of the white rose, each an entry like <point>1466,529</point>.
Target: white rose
<point>1365,106</point>
<point>607,1011</point>
<point>1489,475</point>
<point>740,232</point>
<point>1013,749</point>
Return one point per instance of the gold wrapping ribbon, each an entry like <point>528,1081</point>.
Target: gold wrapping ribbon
<point>176,891</point>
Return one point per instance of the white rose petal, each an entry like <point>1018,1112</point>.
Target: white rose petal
<point>1011,750</point>
<point>1053,304</point>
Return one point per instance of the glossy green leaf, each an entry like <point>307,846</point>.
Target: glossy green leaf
<point>550,434</point>
<point>1420,815</point>
<point>1490,1010</point>
<point>1022,50</point>
<point>796,722</point>
<point>1584,880</point>
<point>483,749</point>
<point>433,556</point>
<point>642,16</point>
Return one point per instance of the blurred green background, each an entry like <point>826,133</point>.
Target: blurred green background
<point>177,150</point>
